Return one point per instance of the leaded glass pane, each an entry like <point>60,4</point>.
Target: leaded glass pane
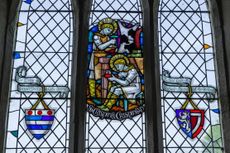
<point>115,121</point>
<point>39,102</point>
<point>190,101</point>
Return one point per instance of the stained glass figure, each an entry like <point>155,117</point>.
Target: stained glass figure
<point>39,99</point>
<point>115,69</point>
<point>190,101</point>
<point>115,92</point>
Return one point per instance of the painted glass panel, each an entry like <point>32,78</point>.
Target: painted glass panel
<point>115,92</point>
<point>39,101</point>
<point>190,101</point>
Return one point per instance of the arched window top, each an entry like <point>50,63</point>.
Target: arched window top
<point>129,10</point>
<point>117,5</point>
<point>46,5</point>
<point>183,5</point>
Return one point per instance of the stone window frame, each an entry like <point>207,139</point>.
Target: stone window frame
<point>8,14</point>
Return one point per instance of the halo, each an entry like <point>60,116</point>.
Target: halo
<point>108,21</point>
<point>116,57</point>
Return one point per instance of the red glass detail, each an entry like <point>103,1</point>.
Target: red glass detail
<point>201,112</point>
<point>29,112</point>
<point>49,112</point>
<point>107,75</point>
<point>39,112</point>
<point>137,38</point>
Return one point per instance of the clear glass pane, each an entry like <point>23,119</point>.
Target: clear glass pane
<point>39,102</point>
<point>190,102</point>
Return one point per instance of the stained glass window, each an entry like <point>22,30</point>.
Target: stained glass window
<point>39,101</point>
<point>190,101</point>
<point>115,121</point>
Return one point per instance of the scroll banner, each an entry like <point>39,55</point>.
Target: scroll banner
<point>33,84</point>
<point>180,84</point>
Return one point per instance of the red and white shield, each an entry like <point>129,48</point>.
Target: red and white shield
<point>197,121</point>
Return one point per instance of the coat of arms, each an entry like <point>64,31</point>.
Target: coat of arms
<point>190,121</point>
<point>38,121</point>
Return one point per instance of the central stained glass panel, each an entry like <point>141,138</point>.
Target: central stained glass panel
<point>115,121</point>
<point>115,73</point>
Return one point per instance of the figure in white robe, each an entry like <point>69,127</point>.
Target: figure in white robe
<point>126,83</point>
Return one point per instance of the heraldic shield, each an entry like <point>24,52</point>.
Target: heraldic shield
<point>39,121</point>
<point>39,118</point>
<point>190,121</point>
<point>190,118</point>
